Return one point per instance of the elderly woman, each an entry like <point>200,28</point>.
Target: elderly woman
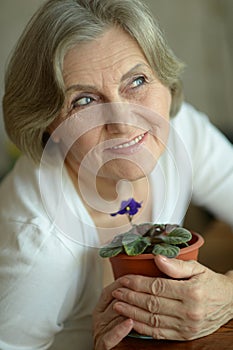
<point>93,100</point>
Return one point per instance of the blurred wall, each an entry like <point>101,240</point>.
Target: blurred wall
<point>14,14</point>
<point>200,32</point>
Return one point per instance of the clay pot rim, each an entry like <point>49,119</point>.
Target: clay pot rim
<point>194,246</point>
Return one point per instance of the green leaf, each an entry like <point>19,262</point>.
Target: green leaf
<point>114,248</point>
<point>134,244</point>
<point>108,252</point>
<point>141,229</point>
<point>130,237</point>
<point>116,241</point>
<point>177,236</point>
<point>166,249</point>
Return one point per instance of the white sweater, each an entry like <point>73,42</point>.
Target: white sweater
<point>50,272</point>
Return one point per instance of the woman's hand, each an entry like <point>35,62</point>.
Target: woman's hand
<point>194,304</point>
<point>109,327</point>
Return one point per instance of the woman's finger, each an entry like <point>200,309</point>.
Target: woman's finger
<point>177,268</point>
<point>183,333</point>
<point>109,316</point>
<point>165,287</point>
<point>106,296</point>
<point>113,337</point>
<point>151,303</point>
<point>149,318</point>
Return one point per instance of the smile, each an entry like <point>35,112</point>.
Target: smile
<point>133,142</point>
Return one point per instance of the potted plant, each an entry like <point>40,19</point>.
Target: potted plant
<point>133,252</point>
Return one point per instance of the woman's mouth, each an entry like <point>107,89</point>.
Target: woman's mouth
<point>130,146</point>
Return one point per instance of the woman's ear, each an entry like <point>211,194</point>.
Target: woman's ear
<point>55,138</point>
<point>46,136</point>
<point>51,130</point>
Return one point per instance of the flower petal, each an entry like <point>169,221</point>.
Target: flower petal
<point>129,207</point>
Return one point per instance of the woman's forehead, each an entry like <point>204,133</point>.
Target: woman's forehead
<point>110,51</point>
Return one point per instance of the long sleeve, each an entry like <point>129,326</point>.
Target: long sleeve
<point>212,161</point>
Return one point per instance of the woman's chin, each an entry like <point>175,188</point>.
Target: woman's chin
<point>127,171</point>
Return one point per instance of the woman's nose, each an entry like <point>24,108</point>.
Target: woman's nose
<point>118,128</point>
<point>118,119</point>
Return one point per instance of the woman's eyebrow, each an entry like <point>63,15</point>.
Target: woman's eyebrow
<point>91,88</point>
<point>132,70</point>
<point>81,87</point>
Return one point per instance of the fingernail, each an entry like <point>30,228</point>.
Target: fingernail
<point>164,258</point>
<point>117,293</point>
<point>118,307</point>
<point>125,281</point>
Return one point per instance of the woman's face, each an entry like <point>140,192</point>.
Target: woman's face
<point>120,108</point>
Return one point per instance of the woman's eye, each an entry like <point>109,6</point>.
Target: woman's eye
<point>138,82</point>
<point>83,101</point>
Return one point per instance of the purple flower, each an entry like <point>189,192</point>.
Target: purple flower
<point>129,207</point>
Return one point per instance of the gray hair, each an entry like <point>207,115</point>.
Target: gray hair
<point>34,87</point>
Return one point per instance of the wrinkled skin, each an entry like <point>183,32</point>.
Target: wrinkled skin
<point>195,303</point>
<point>109,327</point>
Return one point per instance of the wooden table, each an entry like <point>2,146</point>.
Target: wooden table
<point>222,339</point>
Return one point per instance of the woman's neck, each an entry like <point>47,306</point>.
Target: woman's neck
<point>103,195</point>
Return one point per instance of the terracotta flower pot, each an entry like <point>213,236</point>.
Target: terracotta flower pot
<point>144,264</point>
